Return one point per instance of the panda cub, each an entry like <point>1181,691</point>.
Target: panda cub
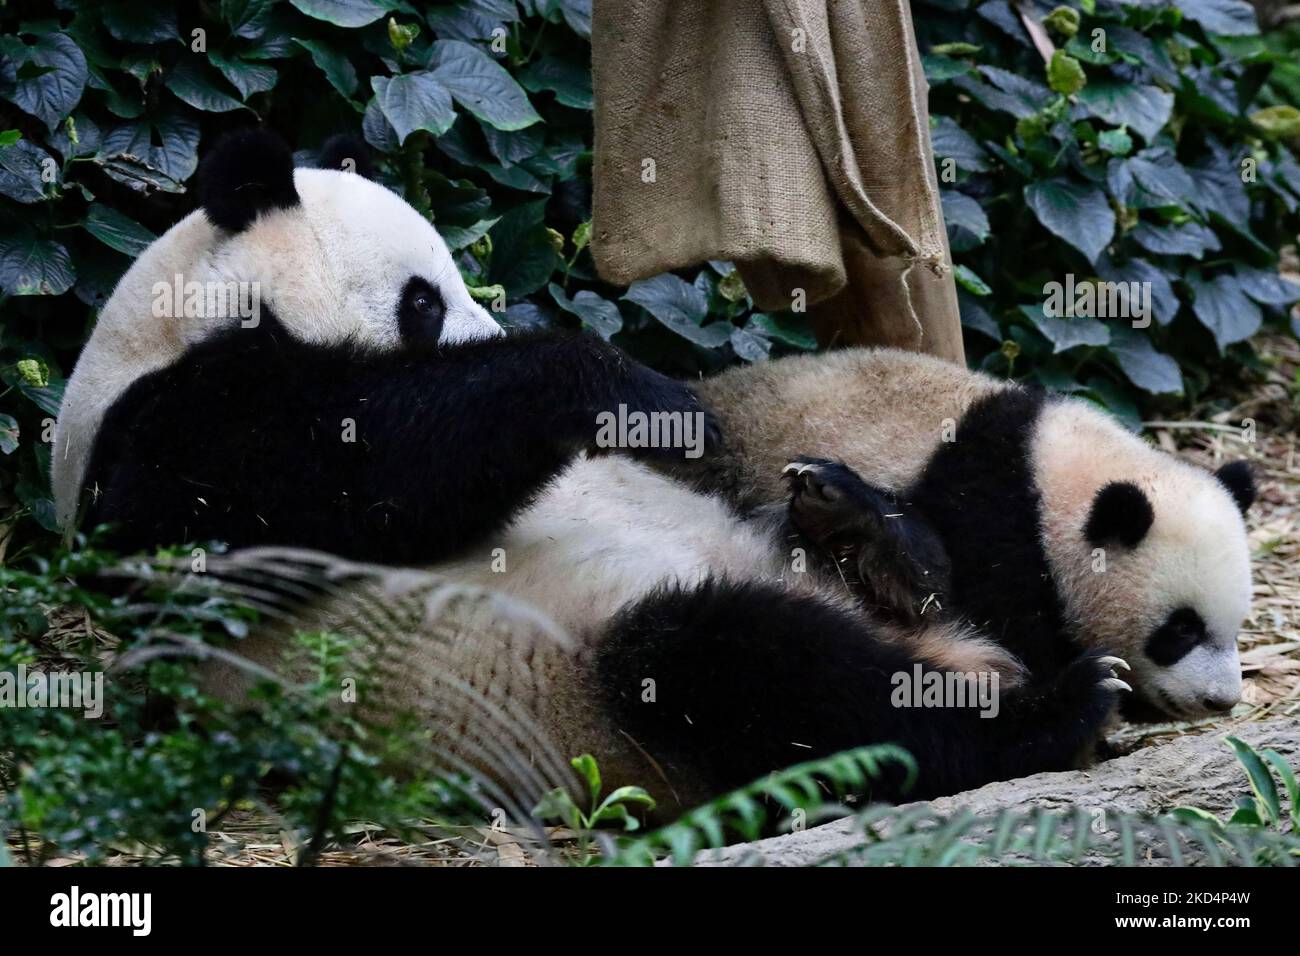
<point>370,409</point>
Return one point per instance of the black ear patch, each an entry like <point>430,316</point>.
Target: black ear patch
<point>1120,512</point>
<point>1238,478</point>
<point>247,173</point>
<point>347,153</point>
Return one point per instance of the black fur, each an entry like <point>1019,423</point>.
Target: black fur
<point>247,173</point>
<point>885,549</point>
<point>749,679</point>
<point>342,148</point>
<point>1238,478</point>
<point>241,440</point>
<point>980,494</point>
<point>1120,514</point>
<point>1181,631</point>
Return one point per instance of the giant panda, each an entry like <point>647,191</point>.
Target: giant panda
<point>968,524</point>
<point>367,407</point>
<point>707,652</point>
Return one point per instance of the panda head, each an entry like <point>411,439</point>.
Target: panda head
<point>1151,558</point>
<point>335,257</point>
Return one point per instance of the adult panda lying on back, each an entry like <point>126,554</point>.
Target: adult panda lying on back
<point>372,409</point>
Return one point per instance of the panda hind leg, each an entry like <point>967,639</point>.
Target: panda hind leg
<point>726,682</point>
<point>894,556</point>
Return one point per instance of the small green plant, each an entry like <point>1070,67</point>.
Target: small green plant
<point>1266,808</point>
<point>559,804</point>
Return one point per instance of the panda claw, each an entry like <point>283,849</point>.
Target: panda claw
<point>1114,683</point>
<point>1113,662</point>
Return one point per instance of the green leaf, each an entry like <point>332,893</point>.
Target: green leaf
<point>1147,368</point>
<point>1267,286</point>
<point>969,281</point>
<point>481,85</point>
<point>336,66</point>
<point>1279,122</point>
<point>1117,142</point>
<point>1223,308</point>
<point>523,258</point>
<point>1077,213</point>
<point>247,18</point>
<point>8,436</point>
<point>1064,74</point>
<point>1261,781</point>
<point>116,230</point>
<point>54,86</point>
<point>191,84</point>
<point>133,22</point>
<point>950,141</point>
<point>1066,333</point>
<point>248,78</point>
<point>414,101</point>
<point>1225,17</point>
<point>33,266</point>
<point>345,13</point>
<point>568,80</point>
<point>590,773</point>
<point>786,329</point>
<point>968,226</point>
<point>681,307</point>
<point>939,69</point>
<point>598,314</point>
<point>20,171</point>
<point>1187,239</point>
<point>1289,781</point>
<point>1145,109</point>
<point>749,345</point>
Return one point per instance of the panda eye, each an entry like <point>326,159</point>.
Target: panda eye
<point>420,313</point>
<point>1183,630</point>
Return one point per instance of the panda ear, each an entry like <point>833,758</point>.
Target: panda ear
<point>1120,513</point>
<point>1238,478</point>
<point>347,153</point>
<point>247,173</point>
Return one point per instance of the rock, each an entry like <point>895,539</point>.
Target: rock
<point>1194,770</point>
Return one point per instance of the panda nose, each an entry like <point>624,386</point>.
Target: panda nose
<point>1220,703</point>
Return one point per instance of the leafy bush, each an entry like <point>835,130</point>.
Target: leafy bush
<point>479,111</point>
<point>163,765</point>
<point>1150,148</point>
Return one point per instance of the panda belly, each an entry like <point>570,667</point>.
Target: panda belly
<point>608,531</point>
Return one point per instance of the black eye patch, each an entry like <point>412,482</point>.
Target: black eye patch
<point>1182,630</point>
<point>420,313</point>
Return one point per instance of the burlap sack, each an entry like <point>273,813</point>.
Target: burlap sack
<point>789,136</point>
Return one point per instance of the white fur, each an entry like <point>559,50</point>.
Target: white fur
<point>1195,555</point>
<point>331,268</point>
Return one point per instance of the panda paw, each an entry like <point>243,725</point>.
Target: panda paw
<point>822,499</point>
<point>1112,681</point>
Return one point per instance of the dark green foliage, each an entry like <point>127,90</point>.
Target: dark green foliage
<point>1151,149</point>
<point>165,763</point>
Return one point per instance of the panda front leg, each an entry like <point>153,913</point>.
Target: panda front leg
<point>888,549</point>
<point>499,420</point>
<point>727,682</point>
